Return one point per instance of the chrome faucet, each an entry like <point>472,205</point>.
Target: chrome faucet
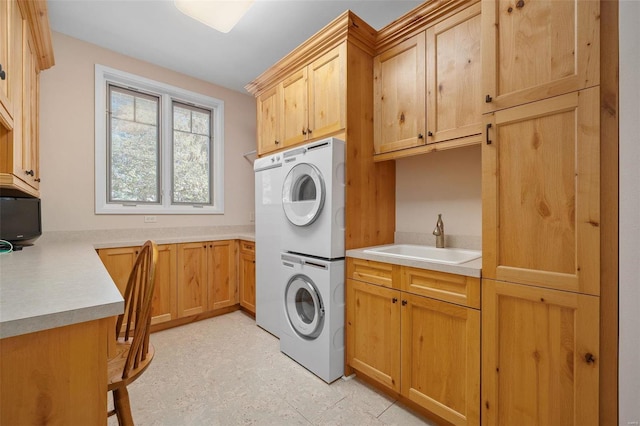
<point>439,232</point>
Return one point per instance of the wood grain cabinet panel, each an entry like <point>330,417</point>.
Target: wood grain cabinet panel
<point>399,96</point>
<point>373,327</point>
<point>269,106</point>
<point>119,263</point>
<point>454,71</point>
<point>222,288</point>
<point>295,112</point>
<point>164,306</point>
<point>373,272</point>
<point>540,352</point>
<point>453,288</point>
<point>541,193</point>
<point>247,276</point>
<point>536,49</point>
<point>441,358</point>
<point>192,276</point>
<point>6,50</point>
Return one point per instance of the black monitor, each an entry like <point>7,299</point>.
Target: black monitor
<point>20,220</point>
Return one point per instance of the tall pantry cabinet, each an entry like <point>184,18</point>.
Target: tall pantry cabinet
<point>542,212</point>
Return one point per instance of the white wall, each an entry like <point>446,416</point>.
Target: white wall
<point>629,385</point>
<point>447,182</point>
<point>67,141</point>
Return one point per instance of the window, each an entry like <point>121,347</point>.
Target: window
<point>159,149</point>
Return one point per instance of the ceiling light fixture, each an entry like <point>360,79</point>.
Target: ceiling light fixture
<point>219,15</point>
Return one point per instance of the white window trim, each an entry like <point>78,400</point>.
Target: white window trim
<point>167,94</point>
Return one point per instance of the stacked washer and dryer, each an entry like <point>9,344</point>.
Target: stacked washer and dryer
<point>300,298</point>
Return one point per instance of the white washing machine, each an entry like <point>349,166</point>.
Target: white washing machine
<point>313,329</point>
<point>269,220</point>
<point>313,199</point>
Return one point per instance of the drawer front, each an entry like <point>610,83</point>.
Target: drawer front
<point>373,272</point>
<point>248,247</point>
<point>453,288</point>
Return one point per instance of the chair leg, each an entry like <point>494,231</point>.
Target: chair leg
<point>122,406</point>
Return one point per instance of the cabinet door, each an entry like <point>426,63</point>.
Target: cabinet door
<point>399,96</point>
<point>29,169</point>
<point>454,99</point>
<point>539,355</point>
<point>536,49</point>
<point>373,332</point>
<point>247,278</point>
<point>327,93</point>
<point>294,115</point>
<point>541,194</point>
<point>269,106</point>
<point>6,36</point>
<point>119,263</point>
<point>192,276</point>
<point>441,358</point>
<point>164,305</point>
<point>221,269</point>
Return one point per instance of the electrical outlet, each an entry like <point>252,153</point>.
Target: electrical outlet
<point>150,219</point>
<point>632,423</point>
<point>252,217</point>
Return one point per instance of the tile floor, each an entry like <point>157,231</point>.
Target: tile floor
<point>227,371</point>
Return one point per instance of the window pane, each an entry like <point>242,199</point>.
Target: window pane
<point>191,158</point>
<point>181,119</point>
<point>201,123</point>
<point>134,153</point>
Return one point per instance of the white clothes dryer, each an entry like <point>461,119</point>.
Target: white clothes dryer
<point>269,221</point>
<point>313,329</point>
<point>313,194</point>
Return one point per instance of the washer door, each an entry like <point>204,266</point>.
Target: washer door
<point>303,194</point>
<point>304,307</point>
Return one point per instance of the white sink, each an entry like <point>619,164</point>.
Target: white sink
<point>452,256</point>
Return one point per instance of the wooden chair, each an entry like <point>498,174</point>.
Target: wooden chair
<point>133,352</point>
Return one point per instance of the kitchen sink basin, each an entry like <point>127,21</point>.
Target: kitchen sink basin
<point>452,256</point>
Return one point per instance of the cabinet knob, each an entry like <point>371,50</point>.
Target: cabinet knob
<point>404,303</point>
<point>277,142</point>
<point>308,130</point>
<point>37,180</point>
<point>3,74</point>
<point>589,358</point>
<point>420,136</point>
<point>429,133</point>
<point>488,99</point>
<point>29,172</point>
<point>394,300</point>
<point>304,131</point>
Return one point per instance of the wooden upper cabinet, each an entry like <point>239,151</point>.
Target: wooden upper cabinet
<point>6,38</point>
<point>535,49</point>
<point>314,99</point>
<point>540,356</point>
<point>454,97</point>
<point>327,93</point>
<point>294,115</point>
<point>28,166</point>
<point>399,96</point>
<point>268,125</point>
<point>541,193</point>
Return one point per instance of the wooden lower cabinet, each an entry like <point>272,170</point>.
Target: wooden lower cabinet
<point>426,350</point>
<point>540,356</point>
<point>191,278</point>
<point>247,276</point>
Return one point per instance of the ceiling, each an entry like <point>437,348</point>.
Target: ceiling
<point>156,32</point>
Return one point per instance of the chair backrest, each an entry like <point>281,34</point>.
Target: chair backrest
<point>135,322</point>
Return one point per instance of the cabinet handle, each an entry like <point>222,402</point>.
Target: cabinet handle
<point>394,300</point>
<point>487,136</point>
<point>488,99</point>
<point>29,173</point>
<point>404,302</point>
<point>304,131</point>
<point>420,136</point>
<point>3,74</point>
<point>429,133</point>
<point>308,130</point>
<point>37,180</point>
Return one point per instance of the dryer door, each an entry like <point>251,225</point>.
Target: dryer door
<point>303,194</point>
<point>303,304</point>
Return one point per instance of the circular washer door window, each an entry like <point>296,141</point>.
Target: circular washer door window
<point>303,305</point>
<point>303,194</point>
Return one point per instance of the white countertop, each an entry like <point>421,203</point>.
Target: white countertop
<point>469,269</point>
<point>57,282</point>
